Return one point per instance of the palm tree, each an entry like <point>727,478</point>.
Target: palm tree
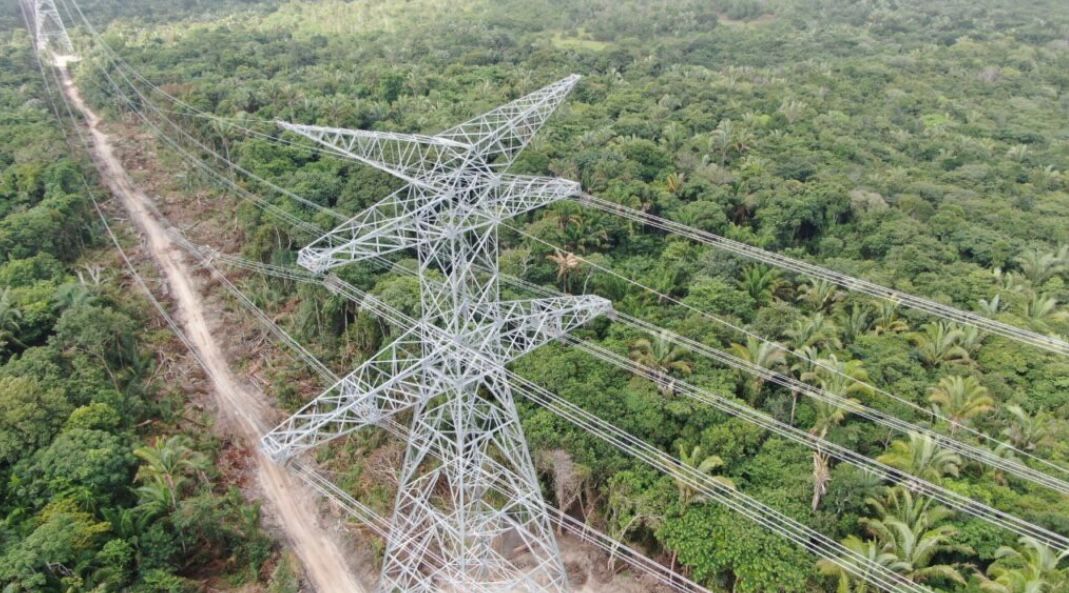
<point>805,362</point>
<point>1031,568</point>
<point>1026,432</point>
<point>760,282</point>
<point>899,503</point>
<point>696,459</point>
<point>855,322</point>
<point>728,138</point>
<point>828,415</point>
<point>820,294</point>
<point>821,477</point>
<point>74,294</point>
<point>1002,579</point>
<point>971,339</point>
<point>869,550</point>
<point>887,320</point>
<point>168,466</point>
<point>668,282</point>
<point>792,109</point>
<point>1042,309</point>
<point>915,547</point>
<point>577,232</point>
<point>674,135</point>
<point>960,399</point>
<point>939,344</point>
<point>664,357</point>
<point>567,265</point>
<point>837,379</point>
<point>815,330</point>
<point>675,182</point>
<point>1011,281</point>
<point>840,378</point>
<point>10,320</point>
<point>991,307</point>
<point>922,457</point>
<point>1039,267</point>
<point>627,509</point>
<point>762,353</point>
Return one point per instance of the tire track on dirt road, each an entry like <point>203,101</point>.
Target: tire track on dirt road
<point>243,407</point>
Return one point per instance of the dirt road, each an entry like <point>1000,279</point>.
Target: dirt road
<point>245,409</point>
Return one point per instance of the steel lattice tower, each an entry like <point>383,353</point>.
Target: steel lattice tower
<point>48,30</point>
<point>469,514</point>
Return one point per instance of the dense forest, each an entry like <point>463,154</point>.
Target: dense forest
<point>921,145</point>
<point>109,480</point>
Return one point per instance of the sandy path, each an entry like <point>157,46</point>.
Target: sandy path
<point>244,407</point>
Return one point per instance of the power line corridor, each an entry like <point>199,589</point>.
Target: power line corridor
<point>427,163</point>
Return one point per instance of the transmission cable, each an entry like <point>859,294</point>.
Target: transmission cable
<point>957,504</point>
<point>1049,343</point>
<point>1011,465</point>
<point>109,77</point>
<point>207,257</point>
<point>976,453</point>
<point>819,444</point>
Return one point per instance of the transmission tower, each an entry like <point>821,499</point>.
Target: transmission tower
<point>469,514</point>
<point>48,30</point>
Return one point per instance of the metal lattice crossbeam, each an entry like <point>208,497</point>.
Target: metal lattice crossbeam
<point>48,30</point>
<point>469,515</point>
<point>420,160</point>
<point>405,218</point>
<point>396,379</point>
<point>390,382</point>
<point>499,135</point>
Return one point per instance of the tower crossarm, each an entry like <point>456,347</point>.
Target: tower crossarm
<point>517,194</point>
<point>428,161</point>
<point>390,382</point>
<point>393,224</point>
<point>466,434</point>
<point>499,135</point>
<point>404,219</point>
<point>48,29</point>
<point>518,327</point>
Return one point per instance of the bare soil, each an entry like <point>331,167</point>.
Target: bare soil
<point>244,408</point>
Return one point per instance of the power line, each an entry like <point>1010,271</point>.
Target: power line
<point>983,510</point>
<point>947,497</point>
<point>750,508</point>
<point>1012,466</point>
<point>794,531</point>
<point>586,533</point>
<point>111,56</point>
<point>471,561</point>
<point>971,452</point>
<point>91,193</point>
<point>1051,344</point>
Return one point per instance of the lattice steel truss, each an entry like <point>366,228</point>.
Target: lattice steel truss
<point>469,514</point>
<point>48,30</point>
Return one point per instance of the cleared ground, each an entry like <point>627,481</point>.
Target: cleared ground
<point>244,408</point>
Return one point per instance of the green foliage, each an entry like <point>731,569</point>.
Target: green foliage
<point>60,535</point>
<point>91,465</point>
<point>76,400</point>
<point>30,415</point>
<point>917,144</point>
<point>731,553</point>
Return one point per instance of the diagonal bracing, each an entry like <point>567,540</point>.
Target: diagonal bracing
<point>49,34</point>
<point>469,513</point>
<point>274,188</point>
